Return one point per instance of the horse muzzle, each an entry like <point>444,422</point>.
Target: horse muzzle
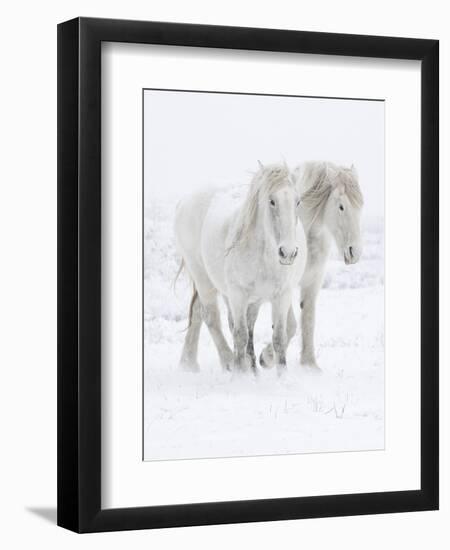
<point>286,256</point>
<point>352,255</point>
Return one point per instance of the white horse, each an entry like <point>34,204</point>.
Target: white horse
<point>331,204</point>
<point>250,253</point>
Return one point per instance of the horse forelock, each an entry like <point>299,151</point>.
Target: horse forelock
<point>270,179</point>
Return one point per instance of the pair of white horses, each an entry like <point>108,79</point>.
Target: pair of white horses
<point>259,248</point>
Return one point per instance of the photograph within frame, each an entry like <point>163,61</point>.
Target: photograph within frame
<point>214,413</point>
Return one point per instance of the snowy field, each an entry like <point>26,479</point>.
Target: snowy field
<point>219,414</point>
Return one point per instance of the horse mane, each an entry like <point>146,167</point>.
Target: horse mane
<point>318,179</point>
<point>268,179</point>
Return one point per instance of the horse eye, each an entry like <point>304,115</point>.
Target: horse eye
<point>298,203</point>
<point>272,202</point>
<point>341,207</point>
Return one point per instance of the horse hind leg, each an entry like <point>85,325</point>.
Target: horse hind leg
<point>204,308</point>
<point>229,315</point>
<point>211,316</point>
<point>189,354</point>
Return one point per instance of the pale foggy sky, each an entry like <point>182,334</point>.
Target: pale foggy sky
<point>197,139</point>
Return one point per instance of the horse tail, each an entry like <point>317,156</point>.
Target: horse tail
<point>194,296</point>
<point>180,269</point>
<point>191,305</point>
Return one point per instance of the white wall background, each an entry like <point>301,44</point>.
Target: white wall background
<point>28,274</point>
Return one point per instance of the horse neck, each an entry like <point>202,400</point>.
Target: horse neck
<point>239,236</point>
<point>257,240</point>
<point>314,222</point>
<point>259,236</point>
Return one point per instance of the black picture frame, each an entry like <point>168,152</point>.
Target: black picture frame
<point>79,274</point>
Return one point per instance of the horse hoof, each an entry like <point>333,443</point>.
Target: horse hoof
<point>281,370</point>
<point>312,368</point>
<point>189,366</point>
<point>227,362</point>
<point>243,365</point>
<point>266,364</point>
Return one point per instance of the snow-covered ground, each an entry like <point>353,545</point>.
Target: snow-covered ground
<point>219,414</point>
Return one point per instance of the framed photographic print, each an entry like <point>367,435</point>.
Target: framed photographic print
<point>247,276</point>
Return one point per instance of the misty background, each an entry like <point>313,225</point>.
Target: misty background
<point>198,139</point>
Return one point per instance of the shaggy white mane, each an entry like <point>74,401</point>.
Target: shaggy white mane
<point>317,180</point>
<point>267,180</point>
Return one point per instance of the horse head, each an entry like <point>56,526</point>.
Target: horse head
<point>342,212</point>
<point>278,202</point>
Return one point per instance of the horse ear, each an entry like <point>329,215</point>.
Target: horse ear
<point>353,170</point>
<point>260,164</point>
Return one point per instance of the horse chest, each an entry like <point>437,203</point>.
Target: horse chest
<point>267,284</point>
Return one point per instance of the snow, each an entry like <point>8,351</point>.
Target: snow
<point>221,414</point>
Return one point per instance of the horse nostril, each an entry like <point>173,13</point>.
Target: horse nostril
<point>350,249</point>
<point>295,252</point>
<point>281,252</point>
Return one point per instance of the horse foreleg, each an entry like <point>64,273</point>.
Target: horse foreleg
<point>280,311</point>
<point>266,359</point>
<point>239,307</point>
<point>308,320</point>
<point>252,314</point>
